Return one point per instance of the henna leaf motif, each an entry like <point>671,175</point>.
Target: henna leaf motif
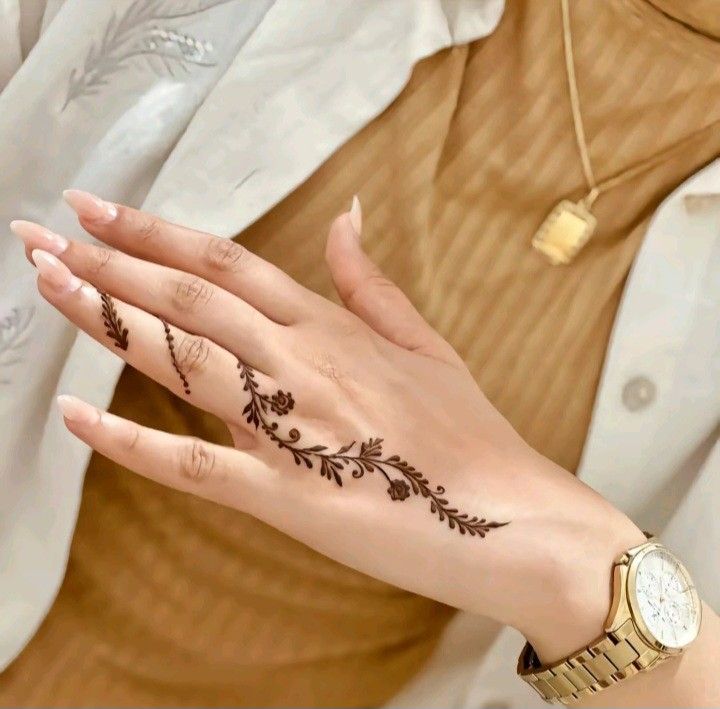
<point>371,449</point>
<point>368,459</point>
<point>113,323</point>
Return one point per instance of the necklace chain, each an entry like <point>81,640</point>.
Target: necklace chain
<point>597,188</point>
<point>569,226</point>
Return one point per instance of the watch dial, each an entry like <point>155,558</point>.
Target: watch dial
<point>666,599</point>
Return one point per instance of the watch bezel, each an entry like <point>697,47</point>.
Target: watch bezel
<point>637,615</point>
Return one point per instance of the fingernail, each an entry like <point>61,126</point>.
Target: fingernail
<point>55,272</point>
<point>90,207</point>
<point>37,236</point>
<point>356,215</point>
<point>76,410</point>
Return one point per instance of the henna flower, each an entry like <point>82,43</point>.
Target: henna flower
<point>399,490</point>
<point>358,459</point>
<point>282,403</point>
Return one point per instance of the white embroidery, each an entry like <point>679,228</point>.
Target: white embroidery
<point>136,33</point>
<point>14,331</point>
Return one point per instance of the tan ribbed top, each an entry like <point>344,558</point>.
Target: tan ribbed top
<point>170,600</point>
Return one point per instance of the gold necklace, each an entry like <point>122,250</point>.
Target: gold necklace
<point>570,224</point>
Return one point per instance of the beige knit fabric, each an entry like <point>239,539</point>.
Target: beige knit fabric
<point>170,600</point>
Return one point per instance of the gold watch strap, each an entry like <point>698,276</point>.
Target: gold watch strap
<point>614,657</point>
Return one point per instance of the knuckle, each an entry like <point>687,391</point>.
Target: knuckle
<point>191,294</point>
<point>147,227</point>
<point>224,254</point>
<point>132,438</point>
<point>197,461</point>
<point>98,258</point>
<point>329,368</point>
<point>192,354</point>
<point>326,366</point>
<point>380,282</point>
<point>349,327</point>
<point>377,283</point>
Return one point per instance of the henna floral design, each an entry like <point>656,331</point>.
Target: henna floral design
<point>113,323</point>
<point>282,403</point>
<point>399,490</point>
<point>170,339</point>
<point>367,457</point>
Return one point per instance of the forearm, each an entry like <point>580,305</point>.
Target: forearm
<point>691,680</point>
<point>573,604</point>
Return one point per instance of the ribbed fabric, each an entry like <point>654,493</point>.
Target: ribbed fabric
<point>170,600</point>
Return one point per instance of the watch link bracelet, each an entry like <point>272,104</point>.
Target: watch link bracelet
<point>655,614</point>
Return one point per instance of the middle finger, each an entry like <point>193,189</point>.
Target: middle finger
<point>191,302</point>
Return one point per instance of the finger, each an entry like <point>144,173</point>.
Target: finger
<point>368,293</point>
<point>217,473</point>
<point>191,366</point>
<point>190,302</point>
<point>221,261</point>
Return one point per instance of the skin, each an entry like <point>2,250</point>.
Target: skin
<point>370,368</point>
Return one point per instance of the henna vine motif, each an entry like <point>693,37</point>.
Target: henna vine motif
<point>367,457</point>
<point>169,338</point>
<point>112,322</point>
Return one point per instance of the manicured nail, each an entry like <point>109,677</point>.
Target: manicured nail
<point>356,215</point>
<point>37,236</point>
<point>55,272</point>
<point>90,207</point>
<point>76,410</point>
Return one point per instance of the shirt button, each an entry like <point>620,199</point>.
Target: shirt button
<point>638,393</point>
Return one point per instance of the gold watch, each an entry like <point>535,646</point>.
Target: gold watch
<point>655,614</point>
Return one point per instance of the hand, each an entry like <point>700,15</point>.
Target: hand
<point>357,430</point>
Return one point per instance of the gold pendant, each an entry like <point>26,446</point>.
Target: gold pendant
<point>564,232</point>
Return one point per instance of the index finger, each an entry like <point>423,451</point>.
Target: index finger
<point>221,261</point>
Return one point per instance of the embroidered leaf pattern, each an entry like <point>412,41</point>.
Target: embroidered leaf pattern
<point>14,332</point>
<point>368,458</point>
<point>137,34</point>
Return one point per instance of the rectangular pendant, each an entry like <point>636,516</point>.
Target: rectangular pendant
<point>564,232</point>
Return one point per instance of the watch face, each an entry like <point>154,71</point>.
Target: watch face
<point>666,599</point>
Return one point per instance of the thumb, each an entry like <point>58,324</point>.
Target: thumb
<point>373,297</point>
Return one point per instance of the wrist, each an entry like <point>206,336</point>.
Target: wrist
<point>554,578</point>
<point>575,589</point>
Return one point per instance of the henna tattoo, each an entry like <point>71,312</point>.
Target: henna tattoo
<point>113,323</point>
<point>169,338</point>
<point>367,457</point>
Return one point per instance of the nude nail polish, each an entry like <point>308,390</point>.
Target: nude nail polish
<point>37,236</point>
<point>90,207</point>
<point>76,410</point>
<point>356,215</point>
<point>55,272</point>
